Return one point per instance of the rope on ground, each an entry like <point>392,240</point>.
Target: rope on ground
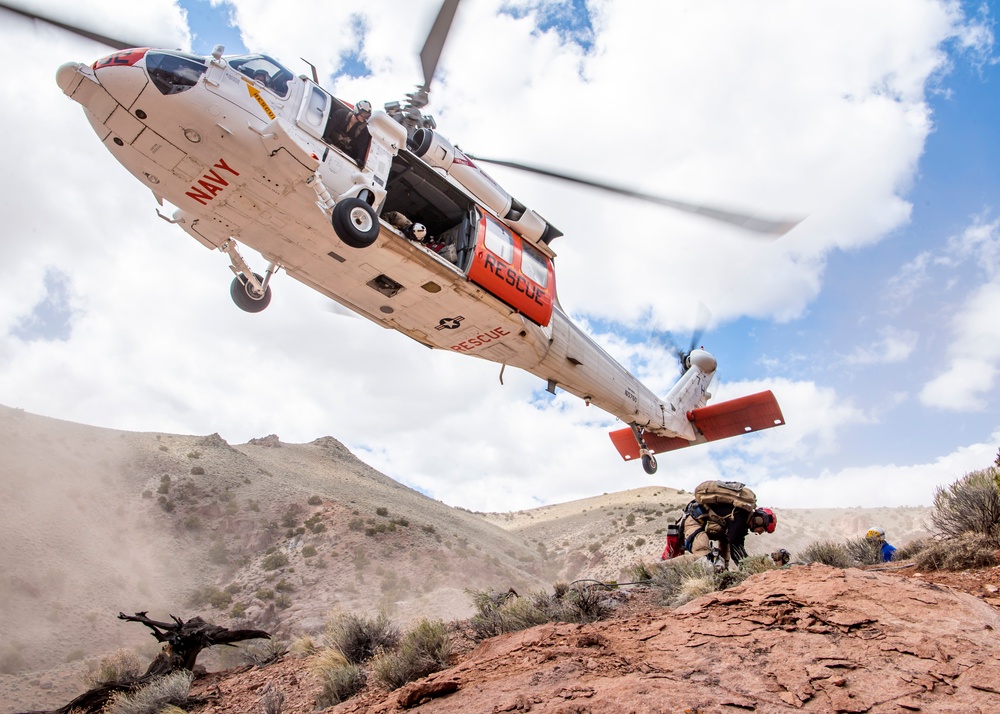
<point>611,585</point>
<point>904,566</point>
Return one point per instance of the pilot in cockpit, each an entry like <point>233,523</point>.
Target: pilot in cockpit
<point>262,77</point>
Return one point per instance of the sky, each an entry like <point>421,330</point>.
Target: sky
<point>874,322</point>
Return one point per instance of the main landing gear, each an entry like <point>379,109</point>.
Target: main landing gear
<point>355,222</point>
<point>648,460</point>
<point>249,290</point>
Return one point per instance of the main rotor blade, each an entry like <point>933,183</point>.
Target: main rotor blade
<point>757,224</point>
<point>104,40</point>
<point>431,52</point>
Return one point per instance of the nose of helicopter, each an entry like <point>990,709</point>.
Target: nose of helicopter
<point>67,75</point>
<point>113,80</point>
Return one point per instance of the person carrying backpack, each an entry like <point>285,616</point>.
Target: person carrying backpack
<point>723,512</point>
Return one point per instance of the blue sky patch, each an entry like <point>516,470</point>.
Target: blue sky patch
<point>52,318</point>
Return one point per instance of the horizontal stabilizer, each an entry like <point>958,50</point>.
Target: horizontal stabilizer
<point>718,421</point>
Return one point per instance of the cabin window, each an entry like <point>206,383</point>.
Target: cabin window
<point>533,265</point>
<point>499,242</point>
<point>316,110</point>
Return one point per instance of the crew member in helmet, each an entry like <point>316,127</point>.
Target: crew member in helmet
<point>348,130</point>
<point>262,77</point>
<point>729,528</point>
<point>781,557</point>
<point>876,536</point>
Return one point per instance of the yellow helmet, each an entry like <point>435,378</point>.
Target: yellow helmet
<point>875,532</point>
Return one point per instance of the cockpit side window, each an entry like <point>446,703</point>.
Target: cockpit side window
<point>265,71</point>
<point>174,73</point>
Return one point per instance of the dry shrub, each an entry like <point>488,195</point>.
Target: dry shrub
<point>273,700</point>
<point>497,613</point>
<point>303,646</point>
<point>325,660</point>
<point>694,587</point>
<point>754,565</point>
<point>170,689</point>
<point>681,580</point>
<point>971,550</point>
<point>911,549</point>
<point>359,638</point>
<point>827,552</point>
<point>675,580</point>
<point>639,572</point>
<point>340,684</point>
<point>865,551</point>
<point>425,649</point>
<point>256,652</point>
<point>970,505</point>
<point>122,665</point>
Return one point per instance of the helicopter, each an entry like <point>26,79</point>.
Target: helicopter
<point>382,214</point>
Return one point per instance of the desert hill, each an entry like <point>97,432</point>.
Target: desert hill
<point>274,535</point>
<point>601,536</point>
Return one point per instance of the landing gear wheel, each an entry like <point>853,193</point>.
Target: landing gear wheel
<point>355,223</point>
<point>649,464</point>
<point>246,297</point>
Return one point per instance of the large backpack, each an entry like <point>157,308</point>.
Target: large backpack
<point>731,493</point>
<point>710,493</point>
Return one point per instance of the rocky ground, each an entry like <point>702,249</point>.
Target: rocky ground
<point>808,638</point>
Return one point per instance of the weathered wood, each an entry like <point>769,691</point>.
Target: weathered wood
<point>182,643</point>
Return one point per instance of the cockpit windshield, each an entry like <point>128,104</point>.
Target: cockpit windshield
<point>174,72</point>
<point>264,70</point>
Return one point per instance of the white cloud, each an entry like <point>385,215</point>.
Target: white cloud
<point>974,356</point>
<point>974,348</point>
<point>895,345</point>
<point>882,484</point>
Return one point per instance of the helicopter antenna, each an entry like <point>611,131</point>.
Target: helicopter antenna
<point>315,73</point>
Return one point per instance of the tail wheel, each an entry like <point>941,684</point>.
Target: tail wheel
<point>649,464</point>
<point>355,223</point>
<point>246,296</point>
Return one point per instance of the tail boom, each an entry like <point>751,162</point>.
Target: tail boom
<point>743,415</point>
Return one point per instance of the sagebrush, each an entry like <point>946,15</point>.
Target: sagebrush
<point>425,649</point>
<point>360,638</point>
<point>170,689</point>
<point>970,505</point>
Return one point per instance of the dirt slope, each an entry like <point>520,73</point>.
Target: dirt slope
<point>807,638</point>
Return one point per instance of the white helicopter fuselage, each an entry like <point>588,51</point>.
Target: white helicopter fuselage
<point>253,162</point>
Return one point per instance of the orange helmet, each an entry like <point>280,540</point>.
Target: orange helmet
<point>763,518</point>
